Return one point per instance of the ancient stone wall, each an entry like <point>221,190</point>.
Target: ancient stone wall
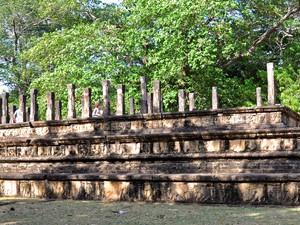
<point>247,155</point>
<point>237,156</point>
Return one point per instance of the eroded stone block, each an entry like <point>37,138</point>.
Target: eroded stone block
<point>58,189</point>
<point>237,145</point>
<point>191,146</point>
<point>11,151</point>
<point>146,147</point>
<point>275,117</point>
<point>25,189</point>
<point>252,192</point>
<point>3,151</point>
<point>160,147</point>
<point>290,193</point>
<point>98,149</point>
<point>251,145</point>
<point>270,144</point>
<point>10,188</point>
<point>168,123</point>
<point>136,125</point>
<point>83,149</point>
<point>114,191</point>
<point>288,144</point>
<point>215,146</point>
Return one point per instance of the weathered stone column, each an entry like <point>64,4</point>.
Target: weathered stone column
<point>22,116</point>
<point>12,109</point>
<point>71,101</point>
<point>144,107</point>
<point>131,106</point>
<point>258,97</point>
<point>0,110</point>
<point>5,115</point>
<point>34,116</point>
<point>181,100</point>
<point>120,99</point>
<point>106,98</point>
<point>215,101</point>
<point>271,84</point>
<point>58,110</point>
<point>191,101</point>
<point>50,113</point>
<point>87,106</point>
<point>150,102</point>
<point>157,98</point>
<point>27,114</point>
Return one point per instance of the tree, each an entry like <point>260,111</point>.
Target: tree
<point>84,55</point>
<point>227,44</point>
<point>24,21</point>
<point>187,44</point>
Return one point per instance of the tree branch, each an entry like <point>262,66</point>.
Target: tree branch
<point>263,37</point>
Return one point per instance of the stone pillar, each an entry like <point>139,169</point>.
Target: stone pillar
<point>157,98</point>
<point>5,115</point>
<point>106,98</point>
<point>258,97</point>
<point>87,106</point>
<point>131,106</point>
<point>191,101</point>
<point>144,107</point>
<point>27,114</point>
<point>12,109</point>
<point>71,101</point>
<point>33,106</point>
<point>150,102</point>
<point>0,110</point>
<point>50,113</point>
<point>22,116</point>
<point>215,102</point>
<point>120,99</point>
<point>271,84</point>
<point>58,110</point>
<point>181,100</point>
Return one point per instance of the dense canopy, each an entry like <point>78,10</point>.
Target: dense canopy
<point>187,44</point>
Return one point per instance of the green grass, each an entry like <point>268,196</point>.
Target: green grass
<point>37,211</point>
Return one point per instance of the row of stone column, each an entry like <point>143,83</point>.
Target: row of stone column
<point>12,114</point>
<point>215,101</point>
<point>259,102</point>
<point>151,102</point>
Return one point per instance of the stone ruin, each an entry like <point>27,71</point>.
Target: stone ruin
<point>228,156</point>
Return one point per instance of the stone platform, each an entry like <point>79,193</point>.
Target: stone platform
<point>236,156</point>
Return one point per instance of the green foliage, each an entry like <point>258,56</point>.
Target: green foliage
<point>289,87</point>
<point>81,55</point>
<point>187,44</point>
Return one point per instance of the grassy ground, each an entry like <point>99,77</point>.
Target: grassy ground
<point>37,211</point>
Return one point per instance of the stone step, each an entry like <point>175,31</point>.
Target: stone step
<point>182,177</point>
<point>231,188</point>
<point>274,162</point>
